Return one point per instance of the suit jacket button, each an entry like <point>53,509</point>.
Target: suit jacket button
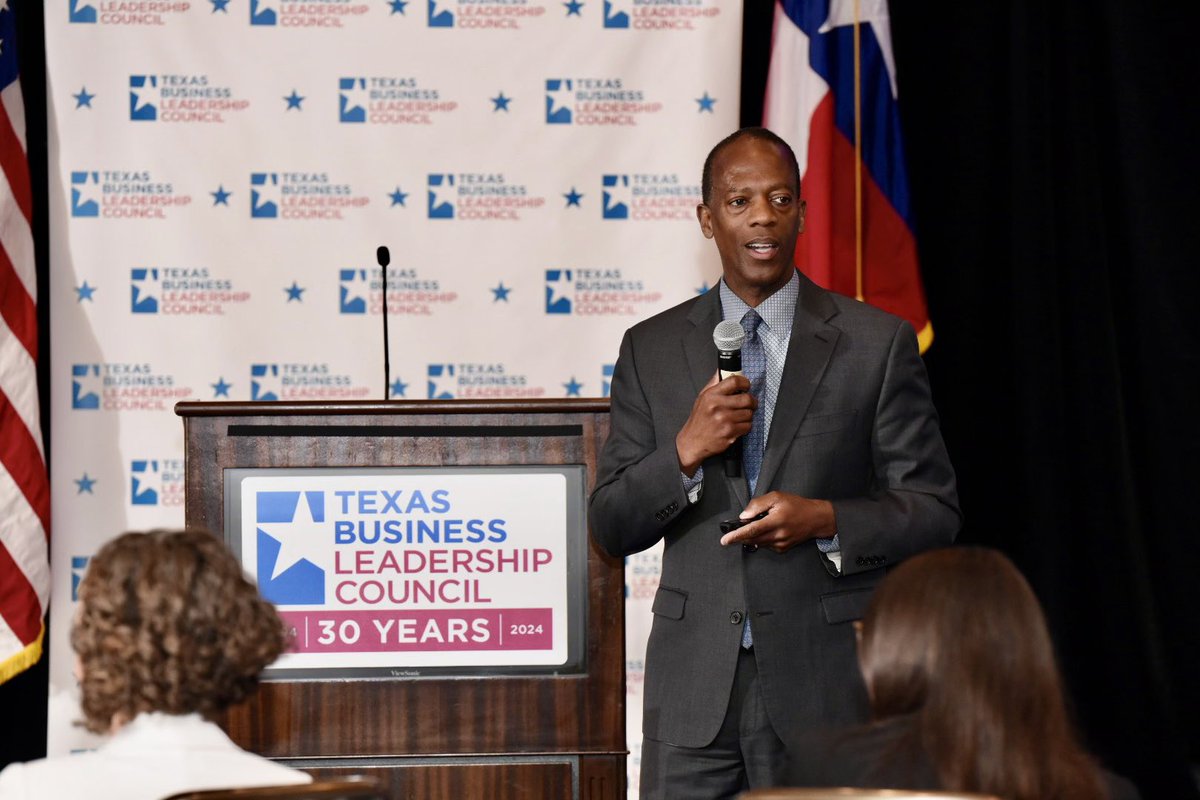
<point>860,561</point>
<point>750,548</point>
<point>736,618</point>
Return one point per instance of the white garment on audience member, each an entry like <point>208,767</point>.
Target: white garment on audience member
<point>152,757</point>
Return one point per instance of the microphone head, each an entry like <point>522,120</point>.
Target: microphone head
<point>382,256</point>
<point>728,336</point>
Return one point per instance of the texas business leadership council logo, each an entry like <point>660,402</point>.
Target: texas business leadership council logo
<point>484,14</point>
<point>447,381</point>
<point>301,196</point>
<point>156,482</point>
<point>409,293</point>
<point>302,381</point>
<point>490,196</point>
<point>182,98</point>
<point>597,292</point>
<point>381,100</point>
<point>306,13</point>
<point>604,102</point>
<point>656,15</point>
<point>123,194</point>
<point>124,13</point>
<point>181,291</point>
<point>650,197</point>
<point>124,386</point>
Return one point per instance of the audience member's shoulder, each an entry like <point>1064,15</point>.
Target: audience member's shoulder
<point>45,779</point>
<point>1119,788</point>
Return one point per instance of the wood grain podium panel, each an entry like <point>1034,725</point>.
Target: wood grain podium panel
<point>518,736</point>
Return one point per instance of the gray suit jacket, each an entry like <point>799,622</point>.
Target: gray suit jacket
<point>853,424</point>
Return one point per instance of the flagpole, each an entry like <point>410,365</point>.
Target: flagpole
<point>858,204</point>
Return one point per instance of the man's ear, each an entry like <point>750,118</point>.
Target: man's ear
<point>705,218</point>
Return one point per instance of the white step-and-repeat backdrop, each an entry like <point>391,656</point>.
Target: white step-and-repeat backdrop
<point>221,172</point>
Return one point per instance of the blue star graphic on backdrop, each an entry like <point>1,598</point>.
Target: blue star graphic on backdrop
<point>221,388</point>
<point>219,5</point>
<point>397,6</point>
<point>294,291</point>
<point>220,196</point>
<point>573,387</point>
<point>501,102</point>
<point>501,291</point>
<point>293,101</point>
<point>399,387</point>
<point>573,198</point>
<point>573,8</point>
<point>398,197</point>
<point>85,292</point>
<point>83,99</point>
<point>702,289</point>
<point>706,103</point>
<point>85,484</point>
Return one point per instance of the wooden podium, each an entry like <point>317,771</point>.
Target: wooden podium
<point>501,737</point>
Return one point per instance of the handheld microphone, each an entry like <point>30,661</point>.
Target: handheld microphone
<point>728,336</point>
<point>383,257</point>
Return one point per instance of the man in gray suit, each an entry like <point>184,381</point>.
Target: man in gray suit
<point>751,644</point>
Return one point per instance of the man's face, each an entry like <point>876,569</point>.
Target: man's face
<point>754,216</point>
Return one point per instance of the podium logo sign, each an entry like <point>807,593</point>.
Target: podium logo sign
<point>360,291</point>
<point>124,386</point>
<point>412,567</point>
<point>605,102</point>
<point>597,292</point>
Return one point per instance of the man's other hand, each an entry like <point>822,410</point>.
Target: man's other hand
<point>790,519</point>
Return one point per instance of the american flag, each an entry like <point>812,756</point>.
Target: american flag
<point>831,93</point>
<point>24,486</point>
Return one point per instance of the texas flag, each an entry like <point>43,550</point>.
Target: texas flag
<point>858,236</point>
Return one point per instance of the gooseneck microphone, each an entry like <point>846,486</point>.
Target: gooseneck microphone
<point>383,257</point>
<point>728,336</point>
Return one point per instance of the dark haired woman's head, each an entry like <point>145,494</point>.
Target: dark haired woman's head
<point>956,637</point>
<point>167,622</point>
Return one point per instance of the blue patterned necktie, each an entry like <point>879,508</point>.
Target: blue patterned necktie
<point>754,367</point>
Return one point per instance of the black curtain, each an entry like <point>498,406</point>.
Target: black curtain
<point>1052,149</point>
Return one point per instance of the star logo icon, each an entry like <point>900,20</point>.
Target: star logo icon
<point>220,196</point>
<point>83,99</point>
<point>573,387</point>
<point>398,388</point>
<point>397,6</point>
<point>398,197</point>
<point>220,5</point>
<point>85,292</point>
<point>703,289</point>
<point>293,101</point>
<point>573,198</point>
<point>294,292</point>
<point>85,484</point>
<point>501,292</point>
<point>573,8</point>
<point>501,102</point>
<point>221,388</point>
<point>706,103</point>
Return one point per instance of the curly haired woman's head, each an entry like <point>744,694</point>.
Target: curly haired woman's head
<point>167,622</point>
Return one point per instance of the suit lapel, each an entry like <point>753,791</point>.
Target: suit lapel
<point>809,349</point>
<point>701,356</point>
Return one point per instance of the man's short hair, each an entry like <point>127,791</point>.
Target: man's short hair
<point>763,135</point>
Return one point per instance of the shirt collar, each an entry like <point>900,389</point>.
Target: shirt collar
<point>777,311</point>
